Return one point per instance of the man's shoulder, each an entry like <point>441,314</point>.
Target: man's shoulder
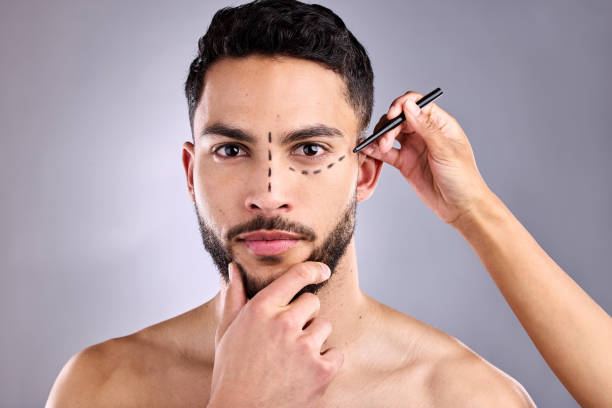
<point>117,370</point>
<point>450,372</point>
<point>89,375</point>
<point>464,379</point>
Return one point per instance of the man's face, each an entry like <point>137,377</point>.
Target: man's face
<point>274,176</point>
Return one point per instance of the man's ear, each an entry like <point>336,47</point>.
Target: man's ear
<point>188,163</point>
<point>369,171</point>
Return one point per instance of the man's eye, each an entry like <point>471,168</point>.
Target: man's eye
<point>310,149</point>
<point>228,150</point>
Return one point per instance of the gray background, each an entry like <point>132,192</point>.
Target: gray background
<point>99,238</point>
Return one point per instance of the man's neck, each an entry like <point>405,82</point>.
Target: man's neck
<point>343,303</point>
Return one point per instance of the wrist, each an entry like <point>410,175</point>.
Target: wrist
<point>487,208</point>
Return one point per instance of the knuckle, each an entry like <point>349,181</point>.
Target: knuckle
<point>412,95</point>
<point>326,370</point>
<point>311,298</point>
<point>396,101</point>
<point>256,308</point>
<point>287,321</point>
<point>308,344</point>
<point>435,121</point>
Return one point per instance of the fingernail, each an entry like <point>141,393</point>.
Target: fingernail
<point>326,271</point>
<point>392,112</point>
<point>230,268</point>
<point>413,108</point>
<point>369,149</point>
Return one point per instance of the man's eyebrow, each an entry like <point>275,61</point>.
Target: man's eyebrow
<point>289,138</point>
<point>310,131</point>
<point>228,131</point>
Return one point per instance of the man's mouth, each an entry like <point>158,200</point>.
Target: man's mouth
<point>269,242</point>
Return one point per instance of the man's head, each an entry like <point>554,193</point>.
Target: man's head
<point>285,28</point>
<point>277,97</point>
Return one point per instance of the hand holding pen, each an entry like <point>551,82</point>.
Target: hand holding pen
<point>435,155</point>
<point>571,331</point>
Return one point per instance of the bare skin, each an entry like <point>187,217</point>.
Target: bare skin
<point>380,357</point>
<point>392,360</point>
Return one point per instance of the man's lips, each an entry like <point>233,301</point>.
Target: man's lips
<point>269,242</point>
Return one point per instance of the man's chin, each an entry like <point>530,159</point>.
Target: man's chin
<point>256,276</point>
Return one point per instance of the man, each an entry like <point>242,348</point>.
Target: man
<point>278,96</point>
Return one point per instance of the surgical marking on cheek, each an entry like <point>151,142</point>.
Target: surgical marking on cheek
<point>317,171</point>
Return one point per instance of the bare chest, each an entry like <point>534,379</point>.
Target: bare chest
<point>192,388</point>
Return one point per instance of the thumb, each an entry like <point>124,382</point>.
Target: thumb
<point>233,298</point>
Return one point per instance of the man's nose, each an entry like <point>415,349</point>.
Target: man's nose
<point>267,193</point>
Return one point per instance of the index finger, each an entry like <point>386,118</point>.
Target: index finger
<point>283,289</point>
<point>395,109</point>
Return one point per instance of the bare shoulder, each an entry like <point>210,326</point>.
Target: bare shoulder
<point>133,369</point>
<point>83,378</point>
<point>447,371</point>
<point>464,379</point>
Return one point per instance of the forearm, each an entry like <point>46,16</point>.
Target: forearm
<point>573,334</point>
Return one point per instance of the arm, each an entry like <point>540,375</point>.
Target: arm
<point>573,334</point>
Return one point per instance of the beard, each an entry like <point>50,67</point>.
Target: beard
<point>330,252</point>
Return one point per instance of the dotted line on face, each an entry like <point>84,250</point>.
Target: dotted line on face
<point>269,159</point>
<point>317,171</point>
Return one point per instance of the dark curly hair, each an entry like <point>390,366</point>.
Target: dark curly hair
<point>285,28</point>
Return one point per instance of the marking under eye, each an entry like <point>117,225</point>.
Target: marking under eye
<point>269,172</point>
<point>269,188</point>
<point>317,171</point>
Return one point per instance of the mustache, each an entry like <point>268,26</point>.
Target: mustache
<point>276,223</point>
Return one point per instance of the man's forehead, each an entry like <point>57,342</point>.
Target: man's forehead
<point>285,93</point>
